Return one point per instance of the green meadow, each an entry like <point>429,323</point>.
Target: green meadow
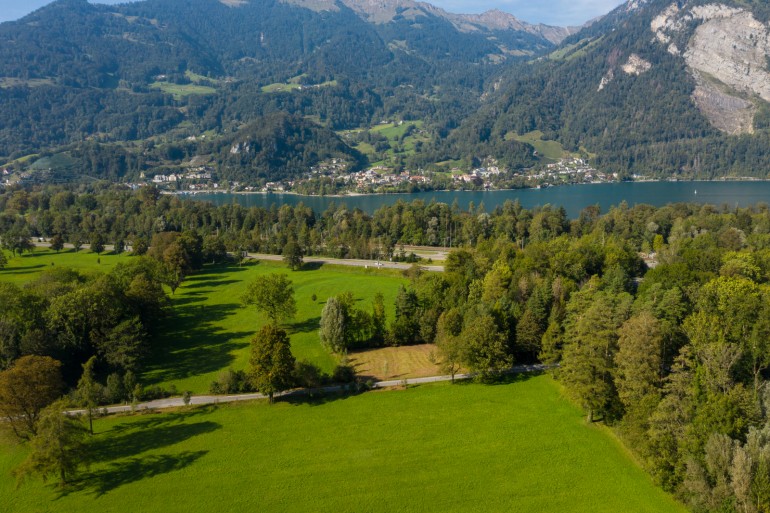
<point>207,330</point>
<point>552,150</point>
<point>517,446</point>
<point>182,90</point>
<point>210,331</point>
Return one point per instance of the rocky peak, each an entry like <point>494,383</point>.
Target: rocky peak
<point>384,11</point>
<point>496,19</point>
<point>727,55</point>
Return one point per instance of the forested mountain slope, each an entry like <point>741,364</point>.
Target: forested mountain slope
<point>654,88</point>
<point>75,71</point>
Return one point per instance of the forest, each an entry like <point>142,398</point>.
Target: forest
<point>670,350</point>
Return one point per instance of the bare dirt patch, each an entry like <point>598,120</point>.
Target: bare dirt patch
<point>390,363</point>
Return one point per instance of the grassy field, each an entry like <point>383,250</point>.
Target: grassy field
<point>208,330</point>
<point>394,132</point>
<point>294,86</point>
<point>549,149</point>
<point>466,448</point>
<point>21,270</point>
<point>386,363</point>
<point>182,90</point>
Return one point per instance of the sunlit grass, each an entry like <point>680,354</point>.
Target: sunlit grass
<point>467,448</point>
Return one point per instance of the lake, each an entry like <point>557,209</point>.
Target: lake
<point>573,198</point>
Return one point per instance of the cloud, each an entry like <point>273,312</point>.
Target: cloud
<point>551,12</point>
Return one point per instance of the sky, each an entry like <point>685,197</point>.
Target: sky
<point>551,12</point>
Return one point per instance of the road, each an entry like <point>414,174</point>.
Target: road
<point>351,262</point>
<point>320,260</point>
<point>176,402</point>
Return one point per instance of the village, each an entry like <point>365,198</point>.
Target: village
<point>382,178</point>
<point>334,176</point>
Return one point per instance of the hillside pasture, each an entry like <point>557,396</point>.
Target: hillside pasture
<point>551,150</point>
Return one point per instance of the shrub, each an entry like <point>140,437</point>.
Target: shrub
<point>344,374</point>
<point>307,375</point>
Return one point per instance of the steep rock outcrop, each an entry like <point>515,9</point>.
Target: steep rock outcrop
<point>384,11</point>
<point>727,54</point>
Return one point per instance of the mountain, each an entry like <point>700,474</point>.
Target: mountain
<point>161,71</point>
<point>387,11</point>
<point>656,88</point>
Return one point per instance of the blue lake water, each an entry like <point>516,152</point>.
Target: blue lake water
<point>573,198</point>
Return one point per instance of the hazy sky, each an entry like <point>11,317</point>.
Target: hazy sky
<point>552,12</point>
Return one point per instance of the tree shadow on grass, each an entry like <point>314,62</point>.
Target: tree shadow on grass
<point>319,397</point>
<point>23,270</point>
<point>500,379</point>
<point>311,266</point>
<point>150,419</point>
<point>134,469</point>
<point>306,326</point>
<point>210,283</point>
<point>210,271</point>
<point>140,440</point>
<point>189,343</point>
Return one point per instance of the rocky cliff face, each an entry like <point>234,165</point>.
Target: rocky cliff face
<point>384,11</point>
<point>727,54</point>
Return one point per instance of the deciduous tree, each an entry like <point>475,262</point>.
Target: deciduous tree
<point>485,348</point>
<point>272,294</point>
<point>450,345</point>
<point>89,392</point>
<point>28,386</point>
<point>58,448</point>
<point>57,242</point>
<point>272,364</point>
<point>292,255</point>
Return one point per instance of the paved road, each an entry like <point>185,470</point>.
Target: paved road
<point>350,262</point>
<point>320,260</point>
<point>175,402</point>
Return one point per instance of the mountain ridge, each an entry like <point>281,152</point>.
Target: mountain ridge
<point>617,93</point>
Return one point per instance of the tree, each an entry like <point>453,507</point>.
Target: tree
<point>28,386</point>
<point>96,242</point>
<point>3,260</point>
<point>334,320</point>
<point>18,239</point>
<point>58,448</point>
<point>214,249</point>
<point>89,391</point>
<point>139,245</point>
<point>119,246</point>
<point>176,265</point>
<point>292,255</point>
<point>378,319</point>
<point>590,346</point>
<point>124,345</point>
<point>405,328</point>
<point>486,350</point>
<point>272,294</point>
<point>57,242</point>
<point>76,239</point>
<point>272,364</point>
<point>450,345</point>
<point>639,359</point>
